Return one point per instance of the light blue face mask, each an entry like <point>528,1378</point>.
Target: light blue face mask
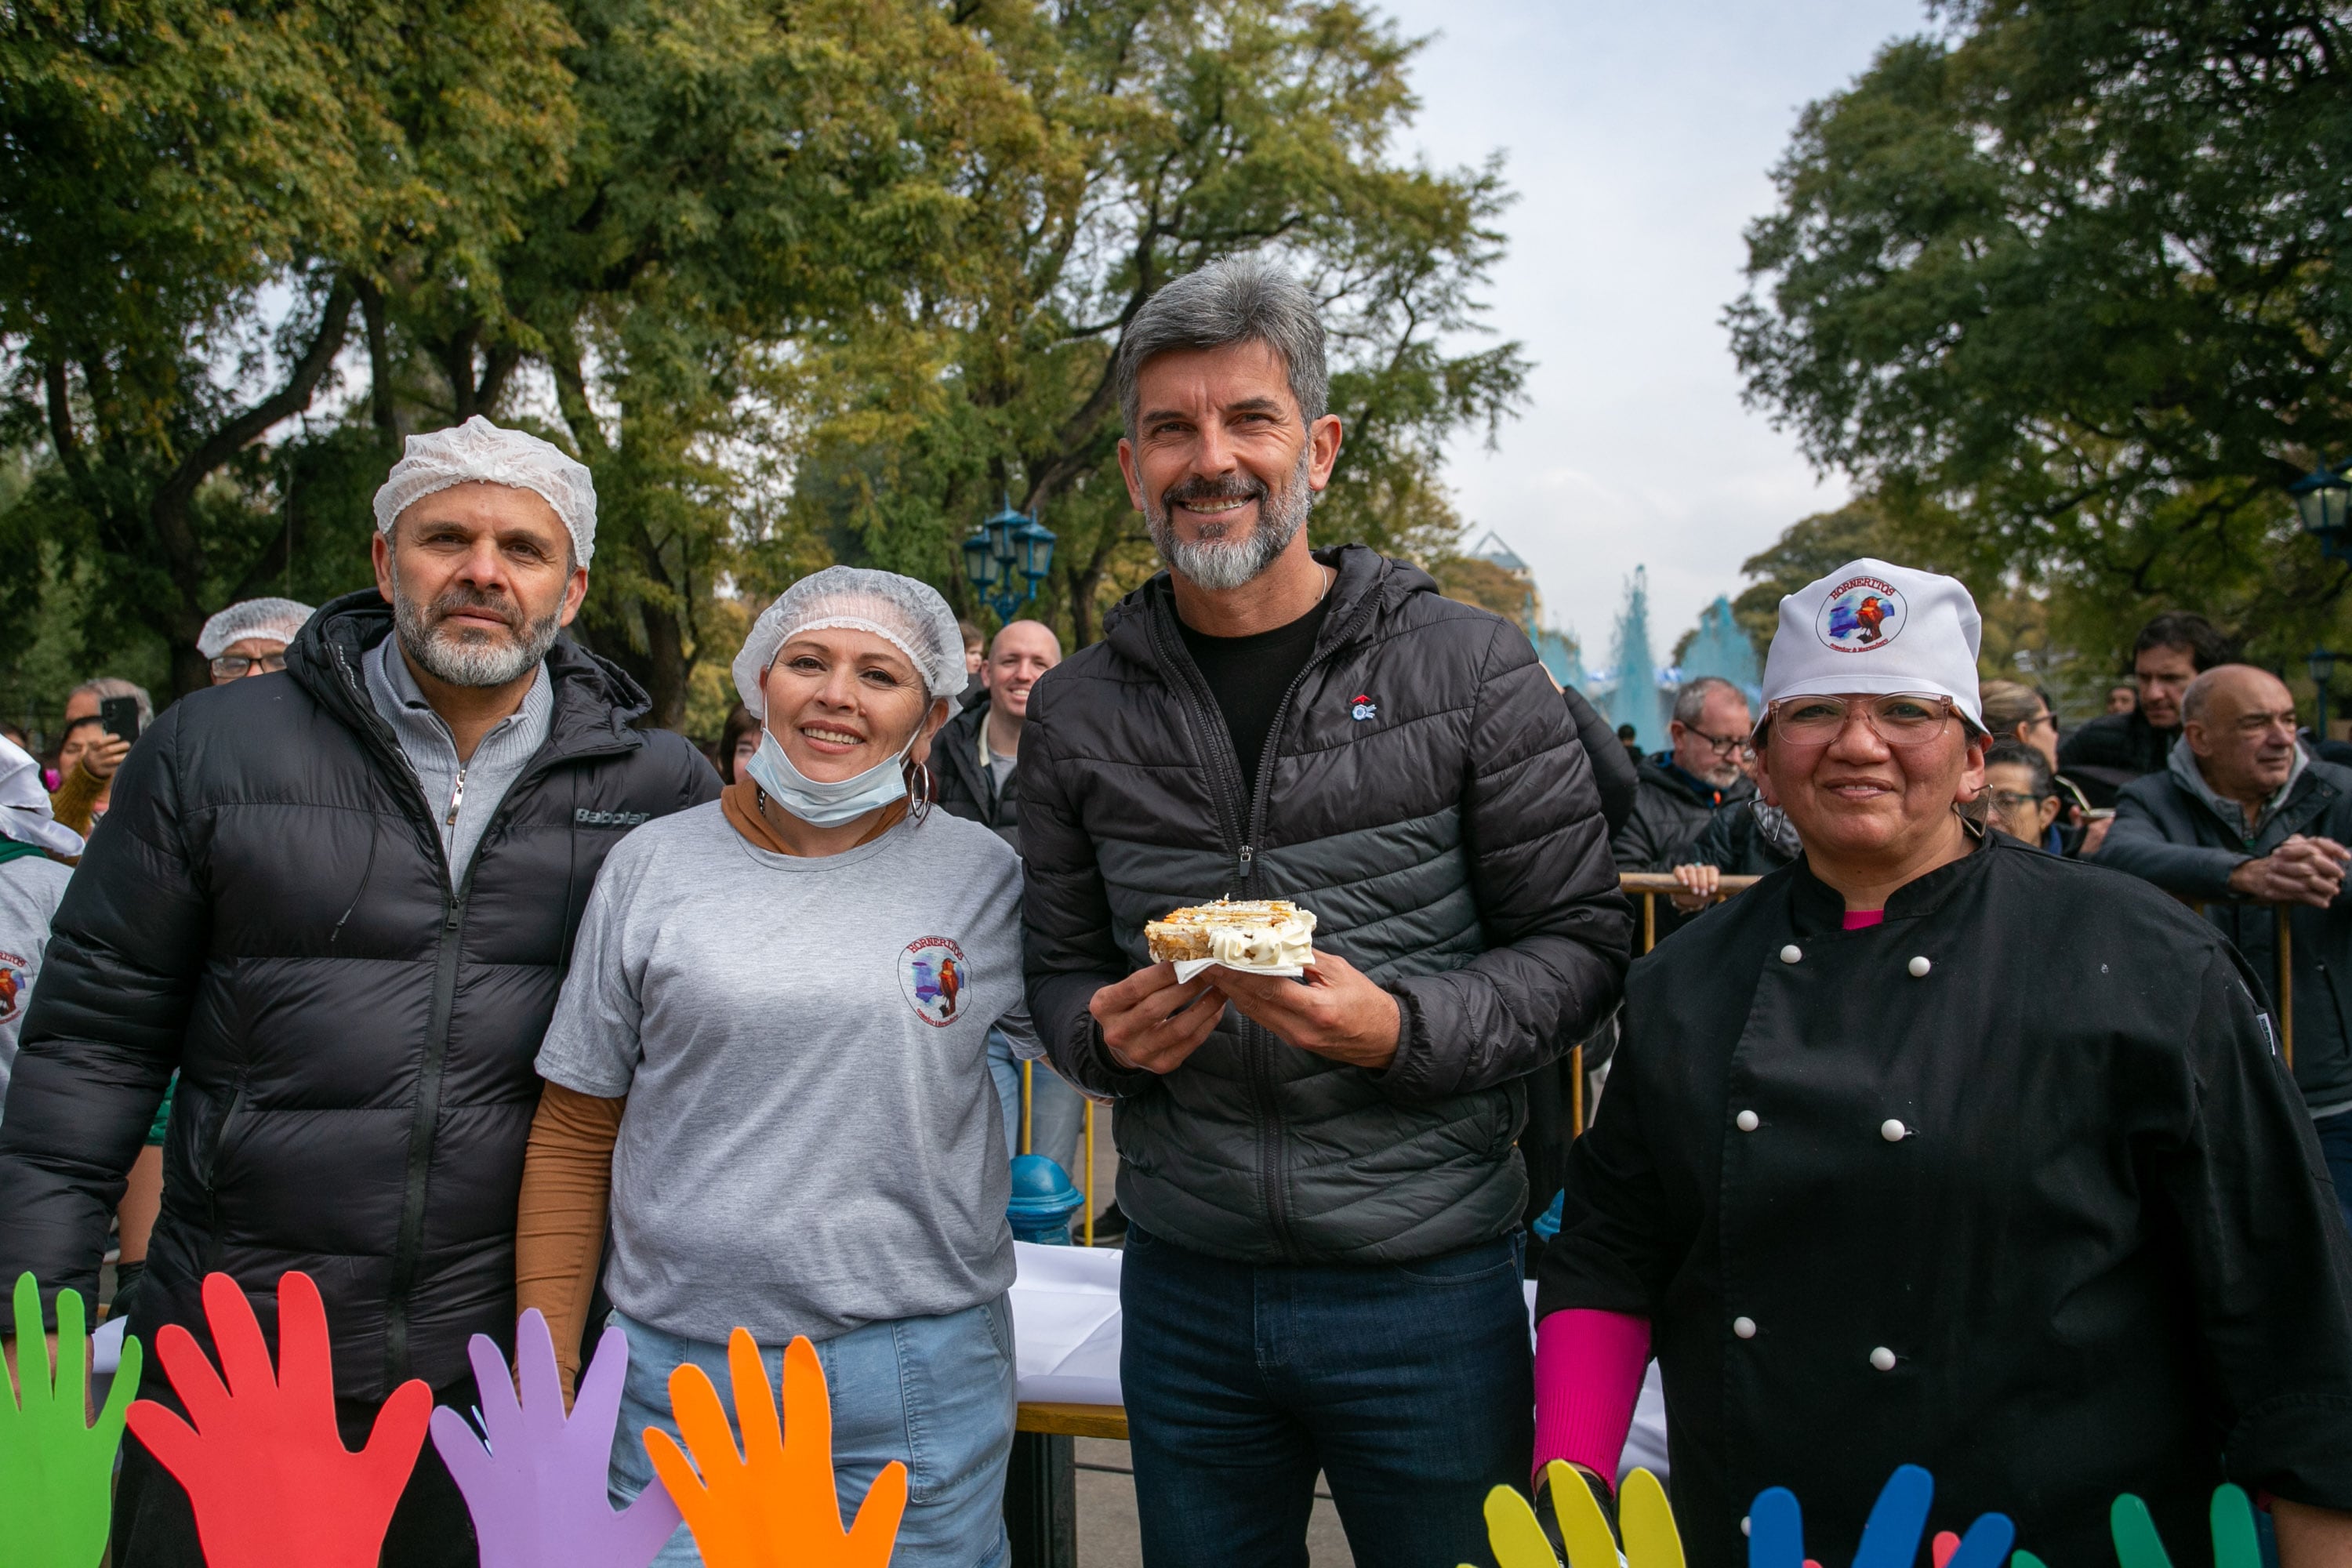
<point>827,804</point>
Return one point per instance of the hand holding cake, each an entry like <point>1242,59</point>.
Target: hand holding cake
<point>1262,956</point>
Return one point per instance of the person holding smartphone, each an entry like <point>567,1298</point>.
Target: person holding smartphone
<point>96,740</point>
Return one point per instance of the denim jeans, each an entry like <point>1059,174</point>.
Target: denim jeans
<point>935,1394</point>
<point>1410,1387</point>
<point>1057,1113</point>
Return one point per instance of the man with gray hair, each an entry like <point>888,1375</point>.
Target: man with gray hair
<point>1322,1266</point>
<point>1698,774</point>
<point>338,899</point>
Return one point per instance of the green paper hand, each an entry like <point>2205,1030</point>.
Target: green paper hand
<point>57,1470</point>
<point>2138,1546</point>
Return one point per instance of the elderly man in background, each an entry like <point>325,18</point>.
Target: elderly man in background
<point>975,759</point>
<point>1322,1269</point>
<point>2242,820</point>
<point>1678,791</point>
<point>338,900</point>
<point>249,637</point>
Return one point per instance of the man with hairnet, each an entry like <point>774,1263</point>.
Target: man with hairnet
<point>339,904</point>
<point>249,637</point>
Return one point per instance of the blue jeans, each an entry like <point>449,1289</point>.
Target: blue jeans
<point>1410,1387</point>
<point>2335,1144</point>
<point>935,1394</point>
<point>1057,1113</point>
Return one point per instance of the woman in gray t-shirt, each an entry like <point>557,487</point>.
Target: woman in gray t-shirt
<point>772,1043</point>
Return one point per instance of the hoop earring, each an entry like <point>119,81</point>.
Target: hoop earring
<point>919,787</point>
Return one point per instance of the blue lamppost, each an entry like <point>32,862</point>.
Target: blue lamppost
<point>1006,561</point>
<point>2320,496</point>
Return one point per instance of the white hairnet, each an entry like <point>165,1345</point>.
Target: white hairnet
<point>480,451</point>
<point>25,804</point>
<point>276,619</point>
<point>908,614</point>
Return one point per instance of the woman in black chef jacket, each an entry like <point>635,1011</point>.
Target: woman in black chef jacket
<point>1931,1149</point>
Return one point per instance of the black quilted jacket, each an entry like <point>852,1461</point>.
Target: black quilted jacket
<point>1451,845</point>
<point>267,909</point>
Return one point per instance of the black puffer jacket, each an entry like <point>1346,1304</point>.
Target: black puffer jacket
<point>1424,793</point>
<point>965,786</point>
<point>267,909</point>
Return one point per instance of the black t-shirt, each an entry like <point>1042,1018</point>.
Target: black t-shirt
<point>1249,674</point>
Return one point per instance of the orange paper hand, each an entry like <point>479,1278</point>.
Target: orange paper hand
<point>772,1505</point>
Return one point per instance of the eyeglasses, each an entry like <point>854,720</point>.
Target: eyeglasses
<point>230,666</point>
<point>1722,745</point>
<point>1902,718</point>
<point>2006,800</point>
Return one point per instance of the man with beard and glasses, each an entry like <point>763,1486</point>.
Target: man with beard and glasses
<point>1322,1266</point>
<point>339,899</point>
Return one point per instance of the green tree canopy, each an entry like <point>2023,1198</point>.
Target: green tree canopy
<point>2063,285</point>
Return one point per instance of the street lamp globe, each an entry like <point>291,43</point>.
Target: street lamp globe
<point>2320,497</point>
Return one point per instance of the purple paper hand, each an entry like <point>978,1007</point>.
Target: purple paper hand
<point>537,1490</point>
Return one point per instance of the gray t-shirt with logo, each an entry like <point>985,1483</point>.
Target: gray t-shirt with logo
<point>812,1141</point>
<point>30,889</point>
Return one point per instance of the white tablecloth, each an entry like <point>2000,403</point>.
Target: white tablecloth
<point>1066,1338</point>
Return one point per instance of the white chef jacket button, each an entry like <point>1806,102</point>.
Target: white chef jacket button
<point>1919,967</point>
<point>1744,1327</point>
<point>1790,953</point>
<point>1746,1524</point>
<point>1892,1130</point>
<point>1746,1121</point>
<point>1883,1358</point>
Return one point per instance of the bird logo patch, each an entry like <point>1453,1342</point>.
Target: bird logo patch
<point>1361,707</point>
<point>13,986</point>
<point>931,973</point>
<point>1862,614</point>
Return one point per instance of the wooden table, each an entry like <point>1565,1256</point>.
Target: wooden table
<point>1040,1486</point>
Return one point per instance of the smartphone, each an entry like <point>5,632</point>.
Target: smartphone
<point>119,716</point>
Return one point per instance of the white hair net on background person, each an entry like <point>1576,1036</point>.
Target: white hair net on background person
<point>276,619</point>
<point>480,452</point>
<point>908,614</point>
<point>25,804</point>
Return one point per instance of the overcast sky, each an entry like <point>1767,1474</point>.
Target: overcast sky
<point>1640,142</point>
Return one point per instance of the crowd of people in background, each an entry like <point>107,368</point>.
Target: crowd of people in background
<point>410,957</point>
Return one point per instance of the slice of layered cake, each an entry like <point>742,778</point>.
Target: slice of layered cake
<point>1266,934</point>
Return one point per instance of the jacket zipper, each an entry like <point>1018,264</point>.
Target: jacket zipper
<point>1258,1042</point>
<point>409,1248</point>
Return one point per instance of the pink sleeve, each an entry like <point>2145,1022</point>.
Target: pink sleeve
<point>1589,1368</point>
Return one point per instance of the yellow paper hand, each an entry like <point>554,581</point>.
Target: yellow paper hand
<point>773,1504</point>
<point>1651,1539</point>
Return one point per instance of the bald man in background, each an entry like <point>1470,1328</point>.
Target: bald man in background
<point>975,760</point>
<point>2243,818</point>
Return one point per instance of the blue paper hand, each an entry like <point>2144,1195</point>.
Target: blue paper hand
<point>1776,1529</point>
<point>537,1490</point>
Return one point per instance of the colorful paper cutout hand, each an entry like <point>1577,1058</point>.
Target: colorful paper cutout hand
<point>1776,1529</point>
<point>263,1464</point>
<point>537,1490</point>
<point>56,1470</point>
<point>772,1505</point>
<point>1651,1539</point>
<point>2137,1545</point>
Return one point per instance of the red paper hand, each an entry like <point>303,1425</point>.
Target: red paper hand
<point>264,1465</point>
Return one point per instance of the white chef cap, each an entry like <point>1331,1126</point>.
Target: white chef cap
<point>25,804</point>
<point>1871,627</point>
<point>276,619</point>
<point>908,614</point>
<point>480,452</point>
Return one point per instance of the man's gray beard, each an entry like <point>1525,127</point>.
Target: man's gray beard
<point>1220,563</point>
<point>467,658</point>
